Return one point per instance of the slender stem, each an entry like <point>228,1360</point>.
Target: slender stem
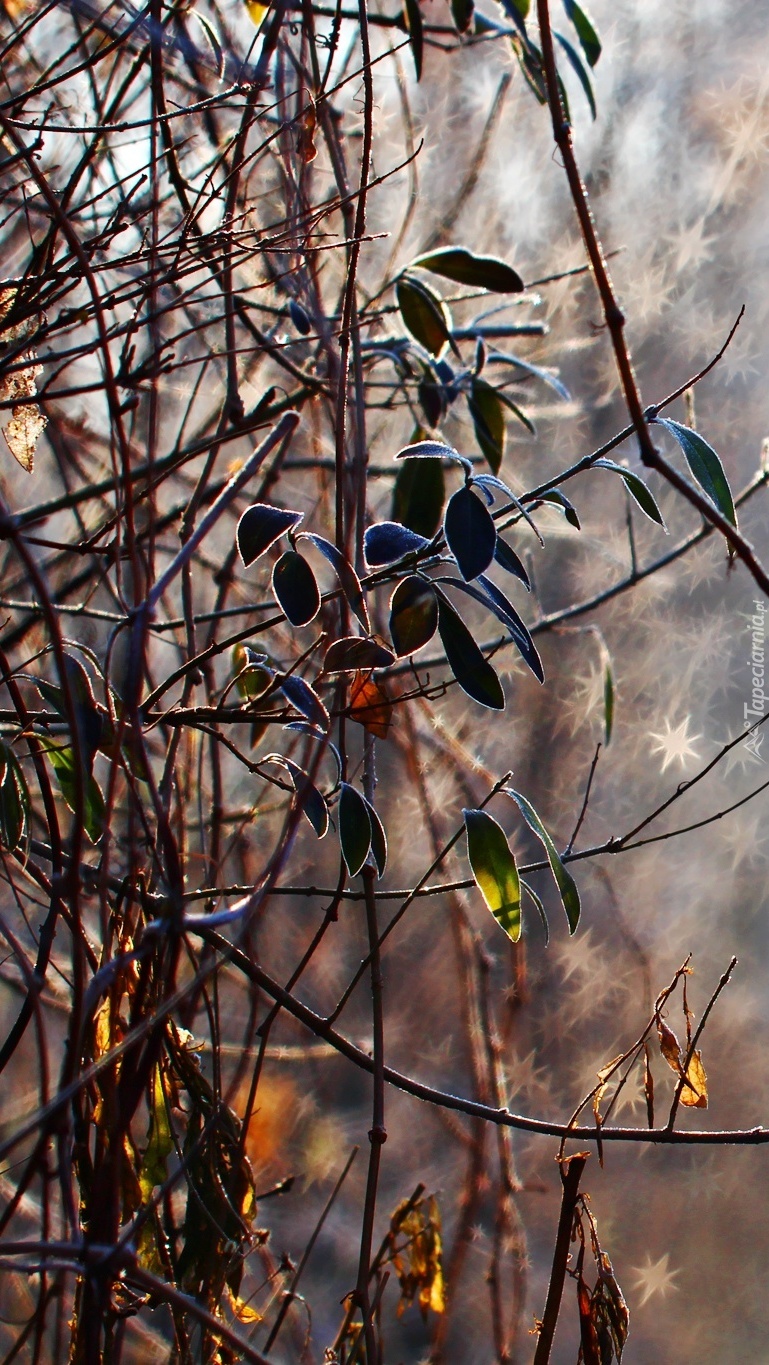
<point>571,1174</point>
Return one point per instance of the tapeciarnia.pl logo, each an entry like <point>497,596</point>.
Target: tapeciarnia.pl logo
<point>757,708</point>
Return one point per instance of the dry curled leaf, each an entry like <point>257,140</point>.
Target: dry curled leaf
<point>305,137</point>
<point>419,1264</point>
<point>26,423</point>
<point>669,1046</point>
<point>694,1092</point>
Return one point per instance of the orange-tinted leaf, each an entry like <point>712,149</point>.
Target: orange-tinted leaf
<point>370,705</point>
<point>305,144</point>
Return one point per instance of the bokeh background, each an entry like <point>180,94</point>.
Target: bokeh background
<point>677,167</point>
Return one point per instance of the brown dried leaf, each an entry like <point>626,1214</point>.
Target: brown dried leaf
<point>694,1093</point>
<point>669,1046</point>
<point>305,138</point>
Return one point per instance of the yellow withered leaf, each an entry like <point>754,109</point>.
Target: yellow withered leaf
<point>256,11</point>
<point>694,1092</point>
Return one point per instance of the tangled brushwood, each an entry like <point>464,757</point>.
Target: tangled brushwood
<point>278,522</point>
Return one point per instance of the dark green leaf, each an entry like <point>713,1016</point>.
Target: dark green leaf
<point>494,870</point>
<point>472,671</point>
<point>539,907</point>
<point>348,579</point>
<point>432,450</point>
<point>470,533</point>
<point>413,614</point>
<point>424,314</point>
<point>494,600</point>
<point>582,73</point>
<point>509,561</point>
<point>529,57</point>
<point>608,696</point>
<point>14,799</point>
<point>637,488</point>
<point>354,828</point>
<point>507,613</point>
<point>63,763</point>
<point>418,496</point>
<point>294,586</point>
<point>300,318</point>
<point>465,267</point>
<point>589,40</point>
<point>432,397</point>
<point>462,14</point>
<point>387,541</point>
<point>413,17</point>
<point>705,465</point>
<point>88,719</point>
<point>564,880</point>
<point>354,653</point>
<point>559,499</point>
<point>516,411</point>
<point>259,528</point>
<point>536,371</point>
<point>378,840</point>
<point>488,421</point>
<point>301,696</point>
<point>310,799</point>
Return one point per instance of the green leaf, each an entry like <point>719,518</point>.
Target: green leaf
<point>354,653</point>
<point>462,14</point>
<point>432,450</point>
<point>539,907</point>
<point>413,614</point>
<point>378,840</point>
<point>418,496</point>
<point>432,396</point>
<point>354,828</point>
<point>14,799</point>
<point>302,697</point>
<point>608,688</point>
<point>488,421</point>
<point>424,314</point>
<point>581,71</point>
<point>470,533</point>
<point>63,763</point>
<point>252,672</point>
<point>494,870</point>
<point>637,489</point>
<point>559,499</point>
<point>472,671</point>
<point>311,801</point>
<point>589,40</point>
<point>154,1167</point>
<point>348,579</point>
<point>465,267</point>
<point>564,881</point>
<point>523,418</point>
<point>259,528</point>
<point>705,465</point>
<point>295,589</point>
<point>413,17</point>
